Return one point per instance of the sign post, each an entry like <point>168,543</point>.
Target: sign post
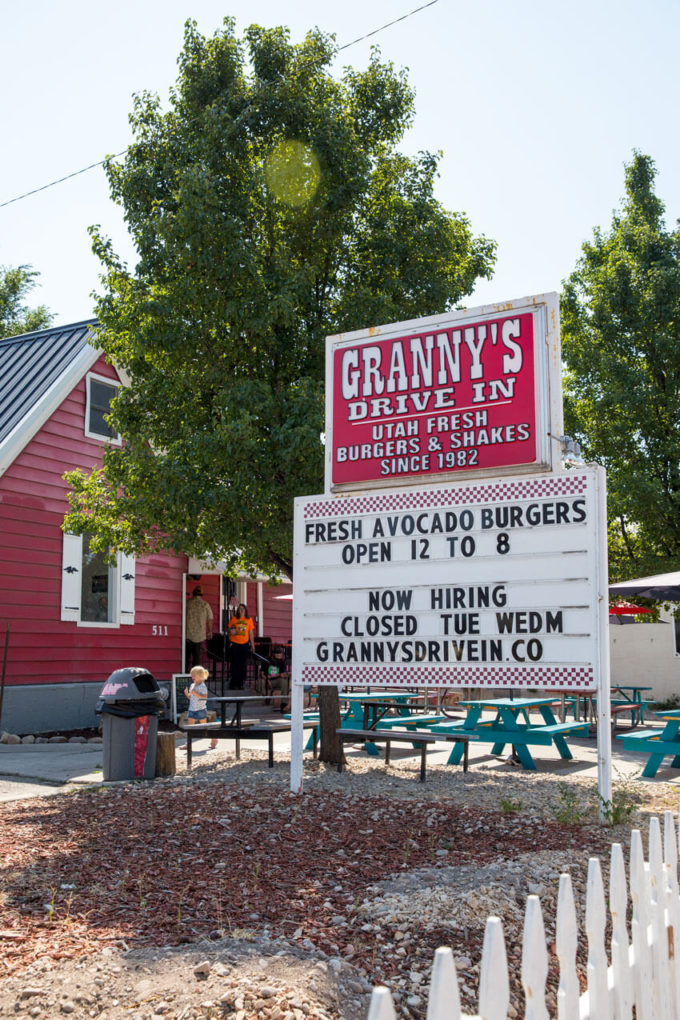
<point>448,551</point>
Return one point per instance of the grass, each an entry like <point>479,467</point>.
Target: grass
<point>509,806</point>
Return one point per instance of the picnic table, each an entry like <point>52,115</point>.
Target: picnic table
<point>238,729</point>
<point>584,704</point>
<point>512,725</point>
<point>238,700</point>
<point>361,708</point>
<point>632,695</point>
<point>419,738</point>
<point>385,713</point>
<point>658,744</point>
<point>387,710</point>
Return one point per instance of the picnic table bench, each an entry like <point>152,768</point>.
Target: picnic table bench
<point>416,721</point>
<point>250,730</point>
<point>635,709</point>
<point>657,743</point>
<point>507,727</point>
<point>422,738</point>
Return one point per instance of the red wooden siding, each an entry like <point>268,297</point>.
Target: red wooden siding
<point>42,647</point>
<point>277,613</point>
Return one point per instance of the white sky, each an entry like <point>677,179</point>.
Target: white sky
<point>535,105</point>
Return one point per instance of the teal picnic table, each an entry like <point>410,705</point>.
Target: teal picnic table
<point>352,716</point>
<point>359,708</point>
<point>658,744</point>
<point>632,695</point>
<point>512,725</point>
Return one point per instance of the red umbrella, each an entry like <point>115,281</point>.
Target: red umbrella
<point>627,610</point>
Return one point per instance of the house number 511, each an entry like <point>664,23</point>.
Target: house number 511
<point>160,630</point>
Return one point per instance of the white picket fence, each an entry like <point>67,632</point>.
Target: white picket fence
<point>644,970</point>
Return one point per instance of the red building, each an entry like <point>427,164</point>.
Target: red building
<point>72,617</point>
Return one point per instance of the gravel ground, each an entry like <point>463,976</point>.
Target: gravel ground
<point>352,885</point>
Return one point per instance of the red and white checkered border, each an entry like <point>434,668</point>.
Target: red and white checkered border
<point>546,677</point>
<point>541,487</point>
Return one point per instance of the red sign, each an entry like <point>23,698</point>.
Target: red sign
<point>452,398</point>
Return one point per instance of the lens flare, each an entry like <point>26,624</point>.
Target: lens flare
<point>292,173</point>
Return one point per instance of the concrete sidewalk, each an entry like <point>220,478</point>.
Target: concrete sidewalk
<point>35,770</point>
<point>42,770</point>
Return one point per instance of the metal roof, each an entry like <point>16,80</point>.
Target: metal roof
<point>31,364</point>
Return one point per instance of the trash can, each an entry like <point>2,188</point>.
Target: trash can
<point>129,705</point>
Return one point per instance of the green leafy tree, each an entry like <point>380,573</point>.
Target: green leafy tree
<point>270,209</point>
<point>15,316</point>
<point>621,344</point>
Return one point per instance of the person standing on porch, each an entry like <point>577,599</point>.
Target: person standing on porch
<point>199,627</point>
<point>241,641</point>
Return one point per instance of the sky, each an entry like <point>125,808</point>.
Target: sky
<point>536,107</point>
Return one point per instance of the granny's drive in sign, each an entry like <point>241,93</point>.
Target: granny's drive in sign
<point>450,547</point>
<point>422,400</point>
<point>490,575</point>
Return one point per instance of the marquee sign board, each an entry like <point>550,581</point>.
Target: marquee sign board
<point>495,583</point>
<point>459,394</point>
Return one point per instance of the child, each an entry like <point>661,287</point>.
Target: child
<point>279,679</point>
<point>198,697</point>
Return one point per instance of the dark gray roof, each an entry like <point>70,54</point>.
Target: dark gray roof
<point>31,363</point>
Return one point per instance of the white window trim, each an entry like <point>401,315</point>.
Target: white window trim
<point>123,591</point>
<point>110,440</point>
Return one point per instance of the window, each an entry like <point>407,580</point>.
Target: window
<point>100,393</point>
<point>98,584</point>
<point>94,592</point>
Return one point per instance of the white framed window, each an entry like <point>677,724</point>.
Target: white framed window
<point>95,593</point>
<point>100,392</point>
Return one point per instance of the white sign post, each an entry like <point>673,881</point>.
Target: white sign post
<point>495,583</point>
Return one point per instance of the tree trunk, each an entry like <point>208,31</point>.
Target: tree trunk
<point>329,722</point>
<point>330,747</point>
<point>165,754</point>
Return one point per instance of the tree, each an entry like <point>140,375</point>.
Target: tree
<point>15,317</point>
<point>621,345</point>
<point>269,209</point>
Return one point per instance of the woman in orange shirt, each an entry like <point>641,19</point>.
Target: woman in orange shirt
<point>241,641</point>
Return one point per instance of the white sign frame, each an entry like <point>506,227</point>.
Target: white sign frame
<point>427,587</point>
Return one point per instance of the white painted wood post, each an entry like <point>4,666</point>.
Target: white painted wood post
<point>622,978</point>
<point>534,961</point>
<point>494,986</point>
<point>598,991</point>
<point>604,728</point>
<point>672,901</point>
<point>297,735</point>
<point>670,848</point>
<point>444,999</point>
<point>381,1007</point>
<point>642,971</point>
<point>566,944</point>
<point>657,881</point>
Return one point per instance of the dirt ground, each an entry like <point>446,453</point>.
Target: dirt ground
<point>236,977</point>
